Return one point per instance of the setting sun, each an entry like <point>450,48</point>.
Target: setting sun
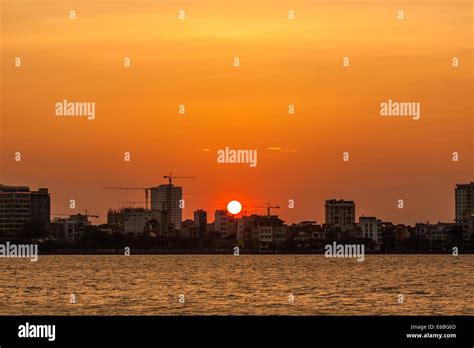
<point>234,207</point>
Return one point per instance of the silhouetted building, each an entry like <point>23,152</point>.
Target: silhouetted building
<point>441,231</point>
<point>135,220</point>
<point>19,206</point>
<point>401,232</point>
<point>14,209</point>
<point>200,220</point>
<point>116,219</point>
<point>371,227</point>
<point>469,229</point>
<point>128,219</point>
<point>40,206</point>
<point>224,223</point>
<point>69,229</point>
<point>269,232</point>
<point>189,229</point>
<point>306,234</point>
<point>464,196</point>
<point>152,228</point>
<point>244,228</point>
<point>168,198</point>
<point>340,213</point>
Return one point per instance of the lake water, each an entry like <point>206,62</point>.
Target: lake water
<point>238,285</point>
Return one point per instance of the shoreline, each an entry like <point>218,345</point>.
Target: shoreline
<point>66,252</point>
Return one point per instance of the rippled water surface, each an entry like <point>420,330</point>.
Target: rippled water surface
<point>246,284</point>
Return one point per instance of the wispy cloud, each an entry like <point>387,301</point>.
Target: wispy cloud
<point>276,148</point>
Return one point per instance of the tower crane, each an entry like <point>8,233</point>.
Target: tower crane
<point>146,189</point>
<point>131,202</point>
<point>86,214</point>
<point>171,177</point>
<point>268,206</point>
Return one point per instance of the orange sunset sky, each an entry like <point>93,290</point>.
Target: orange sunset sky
<point>283,62</point>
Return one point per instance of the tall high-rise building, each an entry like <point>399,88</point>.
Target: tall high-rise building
<point>40,206</point>
<point>14,209</point>
<point>200,220</point>
<point>19,205</point>
<point>168,198</point>
<point>464,196</point>
<point>340,213</point>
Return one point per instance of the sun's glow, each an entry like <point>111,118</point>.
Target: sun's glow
<point>234,207</point>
